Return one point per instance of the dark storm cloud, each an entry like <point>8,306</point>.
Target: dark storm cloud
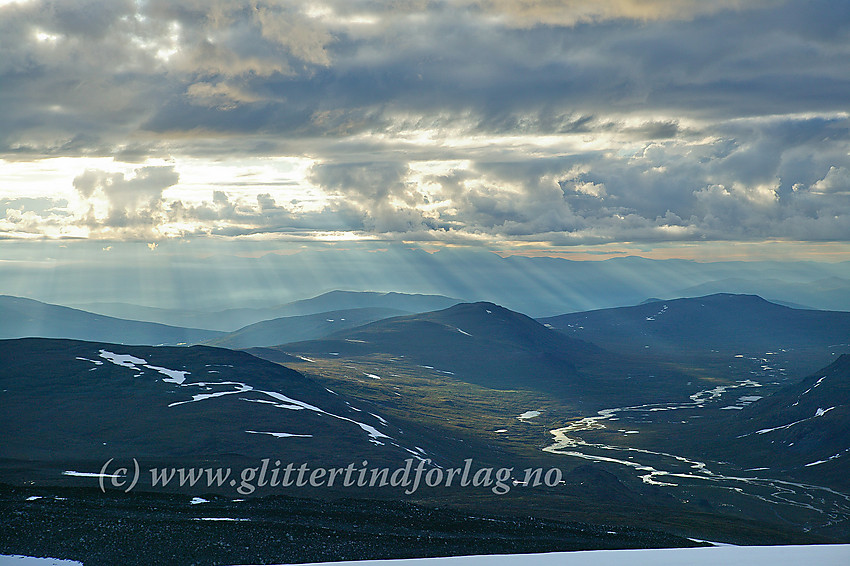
<point>377,191</point>
<point>670,120</point>
<point>266,67</point>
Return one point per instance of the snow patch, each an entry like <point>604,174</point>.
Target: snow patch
<point>20,560</point>
<point>132,362</point>
<point>833,457</point>
<point>88,474</point>
<point>123,360</point>
<point>659,313</point>
<point>280,434</point>
<point>174,376</point>
<point>813,386</point>
<point>819,413</point>
<point>380,418</point>
<point>528,415</point>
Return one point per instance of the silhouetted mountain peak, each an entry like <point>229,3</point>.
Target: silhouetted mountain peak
<point>483,309</point>
<point>736,298</point>
<point>492,322</point>
<point>481,342</point>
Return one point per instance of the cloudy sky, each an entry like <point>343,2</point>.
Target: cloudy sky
<point>536,125</point>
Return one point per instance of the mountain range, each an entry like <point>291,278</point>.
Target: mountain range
<point>230,320</point>
<point>21,317</point>
<point>828,293</point>
<point>304,320</point>
<point>723,323</point>
<point>537,286</point>
<point>626,424</point>
<point>303,327</point>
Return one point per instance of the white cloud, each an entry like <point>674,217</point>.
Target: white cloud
<point>836,181</point>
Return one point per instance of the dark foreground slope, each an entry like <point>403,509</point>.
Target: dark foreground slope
<point>114,528</point>
<point>70,406</point>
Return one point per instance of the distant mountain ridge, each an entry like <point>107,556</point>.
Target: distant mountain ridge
<point>20,318</point>
<point>234,319</point>
<point>338,300</point>
<point>302,327</point>
<point>829,293</point>
<point>721,322</point>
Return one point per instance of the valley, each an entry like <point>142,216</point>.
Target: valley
<point>661,444</point>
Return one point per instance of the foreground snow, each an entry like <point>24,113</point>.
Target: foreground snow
<point>820,555</point>
<point>16,560</point>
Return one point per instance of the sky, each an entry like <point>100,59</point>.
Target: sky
<point>570,128</point>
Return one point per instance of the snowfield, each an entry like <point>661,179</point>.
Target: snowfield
<point>820,555</point>
<point>16,560</point>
